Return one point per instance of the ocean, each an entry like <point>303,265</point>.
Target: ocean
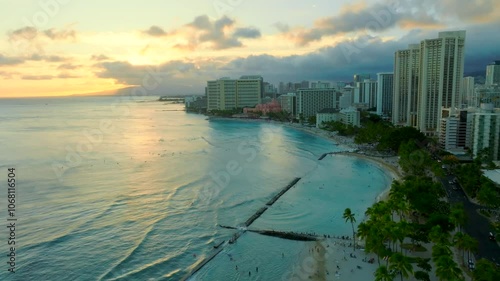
<point>135,189</point>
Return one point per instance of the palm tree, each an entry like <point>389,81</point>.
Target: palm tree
<point>383,274</point>
<point>438,236</point>
<point>485,270</point>
<point>460,242</point>
<point>400,263</point>
<point>349,217</point>
<point>447,269</point>
<point>470,245</point>
<point>458,216</point>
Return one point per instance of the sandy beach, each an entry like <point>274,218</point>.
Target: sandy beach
<point>333,259</point>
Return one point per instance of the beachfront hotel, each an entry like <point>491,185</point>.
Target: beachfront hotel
<point>440,79</point>
<point>405,97</point>
<point>311,101</point>
<point>227,94</point>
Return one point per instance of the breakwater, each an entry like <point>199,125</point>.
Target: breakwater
<point>335,152</point>
<point>285,189</point>
<point>287,235</point>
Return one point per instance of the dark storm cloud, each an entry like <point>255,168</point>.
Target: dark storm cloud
<point>407,14</point>
<point>364,55</point>
<point>367,20</point>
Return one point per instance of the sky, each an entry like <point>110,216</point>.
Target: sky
<point>167,47</point>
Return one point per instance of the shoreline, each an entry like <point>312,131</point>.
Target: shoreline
<point>327,259</point>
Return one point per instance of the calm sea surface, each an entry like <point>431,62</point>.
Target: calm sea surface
<point>110,189</point>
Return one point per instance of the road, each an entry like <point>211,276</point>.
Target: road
<point>476,226</point>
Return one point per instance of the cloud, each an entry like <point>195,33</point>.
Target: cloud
<point>37,77</point>
<point>126,73</point>
<point>247,32</point>
<point>30,33</point>
<point>99,57</point>
<point>65,75</point>
<point>203,32</point>
<point>4,60</point>
<point>282,27</point>
<point>68,66</point>
<point>374,19</point>
<point>155,31</point>
<point>60,35</point>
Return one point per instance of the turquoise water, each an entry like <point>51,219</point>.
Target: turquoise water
<point>129,190</point>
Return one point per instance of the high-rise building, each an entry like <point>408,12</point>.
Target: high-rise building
<point>304,84</point>
<point>486,131</point>
<point>385,91</point>
<point>226,93</point>
<point>441,72</point>
<point>405,96</point>
<point>467,92</point>
<point>455,129</point>
<point>366,92</point>
<point>493,73</point>
<point>288,103</point>
<point>311,101</point>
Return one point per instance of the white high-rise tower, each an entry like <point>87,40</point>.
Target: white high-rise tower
<point>441,73</point>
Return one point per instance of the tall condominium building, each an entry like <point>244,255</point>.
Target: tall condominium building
<point>360,77</point>
<point>441,72</point>
<point>467,92</point>
<point>226,93</point>
<point>405,97</point>
<point>385,91</point>
<point>493,73</point>
<point>486,131</point>
<point>311,101</point>
<point>366,92</point>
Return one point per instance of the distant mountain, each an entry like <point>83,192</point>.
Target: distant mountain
<point>128,91</point>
